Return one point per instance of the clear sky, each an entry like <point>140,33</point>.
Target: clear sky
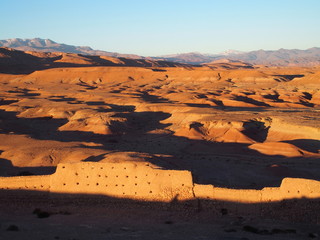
<point>157,27</point>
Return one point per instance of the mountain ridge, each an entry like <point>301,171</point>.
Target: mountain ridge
<point>48,45</point>
<point>280,57</point>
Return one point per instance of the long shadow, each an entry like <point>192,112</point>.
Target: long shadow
<point>41,127</point>
<point>274,97</point>
<point>7,102</point>
<point>25,92</point>
<point>43,64</point>
<point>8,170</point>
<point>290,77</point>
<point>256,130</point>
<point>310,145</point>
<point>140,122</point>
<point>62,99</point>
<point>227,108</point>
<point>306,103</point>
<point>251,101</point>
<point>143,132</point>
<point>112,107</point>
<point>86,85</point>
<point>94,158</point>
<point>199,105</point>
<point>301,210</point>
<point>150,98</point>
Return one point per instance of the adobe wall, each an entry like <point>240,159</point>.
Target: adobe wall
<point>122,180</point>
<point>290,188</point>
<point>35,183</point>
<point>132,181</point>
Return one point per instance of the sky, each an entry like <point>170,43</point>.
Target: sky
<point>159,27</point>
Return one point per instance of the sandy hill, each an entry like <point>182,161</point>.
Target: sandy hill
<point>225,63</point>
<point>15,61</point>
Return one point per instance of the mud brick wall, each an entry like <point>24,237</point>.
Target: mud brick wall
<point>34,183</point>
<point>290,188</point>
<point>122,180</point>
<point>141,182</point>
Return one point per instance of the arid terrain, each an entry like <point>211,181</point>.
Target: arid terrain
<point>231,124</point>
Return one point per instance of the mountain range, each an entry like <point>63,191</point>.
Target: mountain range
<point>47,45</point>
<point>281,57</point>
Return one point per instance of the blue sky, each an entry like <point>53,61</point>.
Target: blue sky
<point>149,27</point>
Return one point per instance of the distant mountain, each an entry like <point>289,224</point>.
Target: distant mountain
<point>188,58</point>
<point>230,52</point>
<point>47,45</point>
<point>281,57</point>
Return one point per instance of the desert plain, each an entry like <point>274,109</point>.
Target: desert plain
<point>230,124</point>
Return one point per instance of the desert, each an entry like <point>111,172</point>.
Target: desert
<point>124,148</point>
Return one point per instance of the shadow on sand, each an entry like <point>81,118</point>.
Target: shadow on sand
<point>210,162</point>
<point>297,210</point>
